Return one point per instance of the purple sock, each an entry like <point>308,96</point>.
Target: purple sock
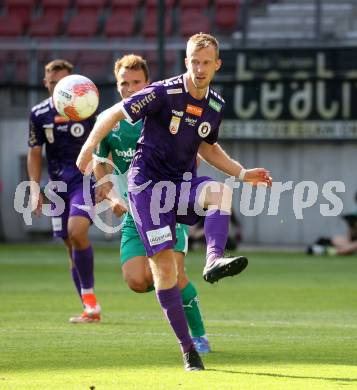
<point>76,280</point>
<point>84,263</point>
<point>216,231</point>
<point>171,303</point>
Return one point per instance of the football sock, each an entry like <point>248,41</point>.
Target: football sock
<point>192,310</point>
<point>171,303</point>
<point>216,232</point>
<point>76,280</point>
<point>84,262</point>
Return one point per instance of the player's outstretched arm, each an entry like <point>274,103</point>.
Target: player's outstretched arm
<point>101,128</point>
<point>218,158</point>
<point>34,169</point>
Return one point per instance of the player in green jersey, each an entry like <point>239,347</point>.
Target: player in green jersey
<point>131,73</point>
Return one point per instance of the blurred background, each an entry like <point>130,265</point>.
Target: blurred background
<point>289,78</point>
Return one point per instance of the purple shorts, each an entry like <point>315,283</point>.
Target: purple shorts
<point>156,207</point>
<point>75,205</point>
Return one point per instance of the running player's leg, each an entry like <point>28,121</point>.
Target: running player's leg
<point>82,254</point>
<point>189,293</point>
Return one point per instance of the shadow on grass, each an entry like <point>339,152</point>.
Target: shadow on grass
<point>349,380</point>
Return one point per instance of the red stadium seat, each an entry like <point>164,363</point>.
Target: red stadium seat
<point>55,8</point>
<point>84,24</point>
<point>226,18</point>
<point>153,3</point>
<point>153,62</point>
<point>90,5</point>
<point>125,5</point>
<point>22,9</point>
<point>120,24</point>
<point>21,70</point>
<point>45,26</point>
<point>226,3</point>
<point>193,23</point>
<point>10,26</point>
<point>150,22</point>
<point>94,64</point>
<point>194,5</point>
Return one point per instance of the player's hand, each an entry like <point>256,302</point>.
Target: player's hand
<point>102,191</point>
<point>258,176</point>
<point>118,207</point>
<point>36,204</point>
<point>83,159</point>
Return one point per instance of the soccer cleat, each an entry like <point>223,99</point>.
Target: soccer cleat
<point>192,360</point>
<point>224,266</point>
<point>89,315</point>
<point>201,344</point>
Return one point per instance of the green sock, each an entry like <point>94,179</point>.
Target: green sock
<point>192,310</point>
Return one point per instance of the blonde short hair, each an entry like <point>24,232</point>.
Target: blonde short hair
<point>202,40</point>
<point>57,65</point>
<point>131,61</point>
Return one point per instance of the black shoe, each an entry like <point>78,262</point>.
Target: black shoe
<point>224,266</point>
<point>192,360</point>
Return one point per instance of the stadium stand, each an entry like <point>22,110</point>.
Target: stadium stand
<point>55,8</point>
<point>21,9</point>
<point>120,24</point>
<point>11,26</point>
<point>149,29</point>
<point>84,24</point>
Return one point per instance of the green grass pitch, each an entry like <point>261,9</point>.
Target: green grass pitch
<point>288,322</point>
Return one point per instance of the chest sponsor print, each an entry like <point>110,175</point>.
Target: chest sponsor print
<point>204,129</point>
<point>194,110</point>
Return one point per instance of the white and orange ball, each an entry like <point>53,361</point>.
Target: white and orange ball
<point>76,97</point>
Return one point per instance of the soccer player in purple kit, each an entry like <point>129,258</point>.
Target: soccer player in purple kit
<point>181,118</point>
<point>64,139</point>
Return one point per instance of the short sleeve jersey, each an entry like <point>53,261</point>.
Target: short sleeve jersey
<point>121,143</point>
<point>174,125</point>
<point>62,137</point>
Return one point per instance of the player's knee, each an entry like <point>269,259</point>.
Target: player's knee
<point>136,284</point>
<point>77,238</point>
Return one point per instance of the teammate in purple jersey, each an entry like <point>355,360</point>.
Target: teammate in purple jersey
<point>63,140</point>
<point>181,118</point>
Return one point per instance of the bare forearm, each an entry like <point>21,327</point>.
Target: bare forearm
<point>103,126</point>
<point>34,164</point>
<point>219,159</point>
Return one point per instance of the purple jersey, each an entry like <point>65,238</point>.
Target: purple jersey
<point>63,139</point>
<point>174,126</point>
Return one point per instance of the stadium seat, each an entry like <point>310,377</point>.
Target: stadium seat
<point>90,5</point>
<point>125,5</point>
<point>149,29</point>
<point>84,24</point>
<point>194,22</point>
<point>153,3</point>
<point>226,18</point>
<point>55,8</point>
<point>5,59</point>
<point>94,64</point>
<point>120,24</point>
<point>153,62</point>
<point>22,9</point>
<point>189,5</point>
<point>21,69</point>
<point>10,26</point>
<point>45,27</point>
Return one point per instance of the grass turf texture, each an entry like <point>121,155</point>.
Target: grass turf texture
<point>288,322</point>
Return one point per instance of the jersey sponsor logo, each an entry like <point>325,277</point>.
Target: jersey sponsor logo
<point>158,236</point>
<point>174,125</point>
<point>125,153</point>
<point>215,105</point>
<point>61,119</point>
<point>194,110</point>
<point>191,121</point>
<point>177,113</point>
<point>139,104</point>
<point>77,130</point>
<point>174,91</point>
<point>62,128</point>
<point>204,129</point>
<point>49,132</point>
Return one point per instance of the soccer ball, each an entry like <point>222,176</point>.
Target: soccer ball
<point>76,97</point>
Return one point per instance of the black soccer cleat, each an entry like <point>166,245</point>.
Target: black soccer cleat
<point>224,266</point>
<point>192,360</point>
